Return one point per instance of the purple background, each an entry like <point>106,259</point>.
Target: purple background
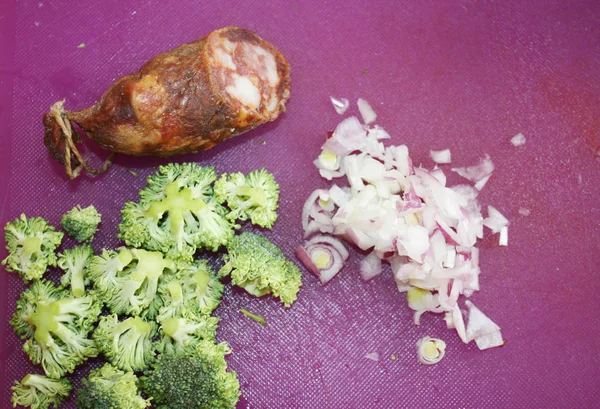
<point>441,74</point>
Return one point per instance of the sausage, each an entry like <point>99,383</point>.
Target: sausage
<point>185,100</point>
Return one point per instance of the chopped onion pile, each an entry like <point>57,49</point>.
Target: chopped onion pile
<point>405,216</point>
<point>430,350</point>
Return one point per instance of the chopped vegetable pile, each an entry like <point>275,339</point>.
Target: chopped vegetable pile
<point>145,309</point>
<point>403,215</point>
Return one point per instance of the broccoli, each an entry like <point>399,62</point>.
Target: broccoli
<point>180,333</point>
<point>127,280</point>
<point>74,264</point>
<point>258,318</point>
<point>253,196</point>
<point>195,378</point>
<point>55,326</point>
<point>126,344</point>
<point>260,267</point>
<point>39,392</point>
<point>81,224</point>
<point>177,213</point>
<point>110,388</point>
<point>31,244</point>
<point>195,289</point>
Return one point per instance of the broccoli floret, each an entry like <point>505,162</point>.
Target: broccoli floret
<point>110,388</point>
<point>253,196</point>
<point>194,290</point>
<point>31,244</point>
<point>260,267</point>
<point>177,213</point>
<point>180,333</point>
<point>197,378</point>
<point>81,224</point>
<point>38,392</point>
<point>127,280</point>
<point>126,344</point>
<point>74,264</point>
<point>55,325</point>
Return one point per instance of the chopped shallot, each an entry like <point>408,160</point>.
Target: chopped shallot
<point>340,104</point>
<point>370,267</point>
<point>430,350</point>
<point>374,356</point>
<point>479,173</point>
<point>518,140</point>
<point>443,156</point>
<point>366,111</point>
<point>323,256</point>
<point>405,216</point>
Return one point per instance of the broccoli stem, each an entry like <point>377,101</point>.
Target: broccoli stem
<point>258,318</point>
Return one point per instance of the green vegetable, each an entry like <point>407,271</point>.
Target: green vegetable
<point>260,267</point>
<point>193,291</point>
<point>55,326</point>
<point>177,213</point>
<point>126,344</point>
<point>258,318</point>
<point>38,392</point>
<point>110,388</point>
<point>180,333</point>
<point>31,244</point>
<point>127,280</point>
<point>197,378</point>
<point>81,224</point>
<point>74,263</point>
<point>253,196</point>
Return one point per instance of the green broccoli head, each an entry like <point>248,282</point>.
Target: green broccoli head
<point>260,267</point>
<point>177,213</point>
<point>253,196</point>
<point>126,344</point>
<point>110,388</point>
<point>193,291</point>
<point>40,392</point>
<point>81,224</point>
<point>177,334</point>
<point>74,263</point>
<point>55,326</point>
<point>127,280</point>
<point>195,378</point>
<point>31,243</point>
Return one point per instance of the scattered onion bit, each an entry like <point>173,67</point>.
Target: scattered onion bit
<point>374,356</point>
<point>340,104</point>
<point>430,350</point>
<point>443,156</point>
<point>366,111</point>
<point>518,140</point>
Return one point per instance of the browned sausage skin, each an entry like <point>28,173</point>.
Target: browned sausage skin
<point>181,101</point>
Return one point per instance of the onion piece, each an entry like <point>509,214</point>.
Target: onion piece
<point>430,350</point>
<point>518,140</point>
<point>340,104</point>
<point>370,267</point>
<point>495,220</point>
<point>503,240</point>
<point>374,356</point>
<point>443,156</point>
<point>322,257</point>
<point>479,173</point>
<point>366,111</point>
<point>482,329</point>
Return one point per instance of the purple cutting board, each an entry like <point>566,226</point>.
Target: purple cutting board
<point>441,74</point>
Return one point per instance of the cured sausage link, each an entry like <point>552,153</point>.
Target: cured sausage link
<point>181,101</point>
